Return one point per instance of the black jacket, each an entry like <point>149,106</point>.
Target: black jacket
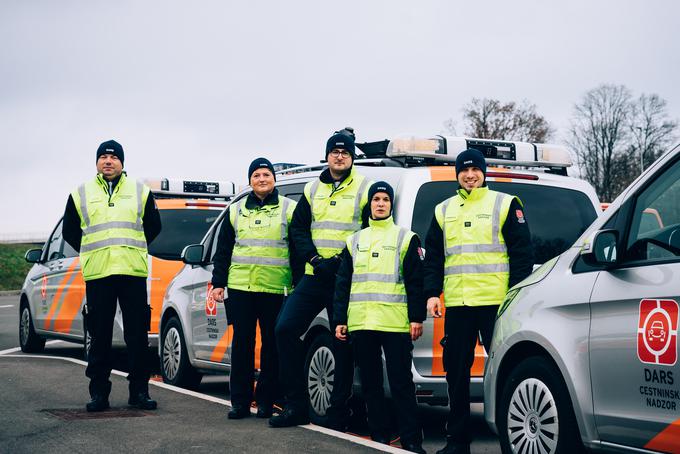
<point>517,239</point>
<point>300,226</point>
<point>73,234</point>
<point>413,281</point>
<point>227,238</point>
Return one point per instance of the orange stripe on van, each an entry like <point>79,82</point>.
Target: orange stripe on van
<point>162,272</point>
<point>668,440</point>
<point>57,295</point>
<point>222,345</point>
<point>71,305</point>
<point>443,173</point>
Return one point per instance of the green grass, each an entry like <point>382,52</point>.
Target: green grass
<point>13,266</point>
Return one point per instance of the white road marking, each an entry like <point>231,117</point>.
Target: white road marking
<point>18,349</point>
<point>6,305</point>
<point>333,433</point>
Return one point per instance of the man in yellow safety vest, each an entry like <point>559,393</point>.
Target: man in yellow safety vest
<point>111,219</point>
<point>478,246</point>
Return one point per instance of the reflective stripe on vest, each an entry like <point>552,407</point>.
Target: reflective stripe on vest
<point>336,212</point>
<point>476,266</point>
<point>378,296</point>
<point>260,258</point>
<point>113,240</point>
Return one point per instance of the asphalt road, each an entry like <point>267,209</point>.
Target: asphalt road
<point>178,411</point>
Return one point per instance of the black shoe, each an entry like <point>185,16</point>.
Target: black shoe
<point>289,417</point>
<point>238,412</point>
<point>381,439</point>
<point>414,448</point>
<point>98,403</point>
<point>264,411</point>
<point>142,401</point>
<point>455,448</point>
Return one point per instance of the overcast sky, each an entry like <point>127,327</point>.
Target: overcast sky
<point>198,89</point>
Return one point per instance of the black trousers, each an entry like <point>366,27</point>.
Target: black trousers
<point>246,310</point>
<point>462,326</point>
<point>311,295</point>
<point>398,349</point>
<point>102,295</point>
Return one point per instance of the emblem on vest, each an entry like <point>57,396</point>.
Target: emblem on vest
<point>468,224</point>
<point>375,254</point>
<point>258,221</point>
<point>333,202</point>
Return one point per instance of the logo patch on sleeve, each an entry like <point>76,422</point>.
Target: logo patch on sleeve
<point>520,216</point>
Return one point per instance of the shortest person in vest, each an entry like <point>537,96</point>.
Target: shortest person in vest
<point>478,246</point>
<point>252,262</point>
<point>110,220</point>
<point>379,302</point>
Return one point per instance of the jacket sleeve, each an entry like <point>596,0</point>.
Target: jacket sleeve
<point>413,281</point>
<point>300,231</point>
<point>518,241</point>
<point>343,284</point>
<point>222,258</point>
<point>151,220</point>
<point>434,260</point>
<point>365,214</point>
<point>71,230</point>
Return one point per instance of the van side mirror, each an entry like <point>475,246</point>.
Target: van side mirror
<point>193,254</point>
<point>601,249</point>
<point>33,255</point>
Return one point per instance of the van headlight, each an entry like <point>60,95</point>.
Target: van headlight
<point>534,278</point>
<point>509,298</point>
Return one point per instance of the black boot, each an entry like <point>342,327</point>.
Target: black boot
<point>414,447</point>
<point>142,401</point>
<point>289,417</point>
<point>453,447</point>
<point>99,402</point>
<point>238,412</point>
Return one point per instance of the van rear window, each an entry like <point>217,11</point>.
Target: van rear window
<point>181,228</point>
<point>556,216</point>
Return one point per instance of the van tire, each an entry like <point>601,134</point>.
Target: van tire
<point>174,360</point>
<point>547,420</point>
<point>29,341</point>
<point>319,372</point>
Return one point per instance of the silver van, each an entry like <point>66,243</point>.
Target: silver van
<point>196,336</point>
<point>585,350</point>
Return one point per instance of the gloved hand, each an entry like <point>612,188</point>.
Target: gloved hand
<point>326,268</point>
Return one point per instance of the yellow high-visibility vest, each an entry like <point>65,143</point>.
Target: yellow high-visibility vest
<point>336,212</point>
<point>260,259</point>
<point>378,295</point>
<point>476,265</point>
<point>113,239</point>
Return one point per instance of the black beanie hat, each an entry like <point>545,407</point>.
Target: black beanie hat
<point>111,147</point>
<point>260,163</point>
<point>341,140</point>
<point>381,186</point>
<point>470,158</point>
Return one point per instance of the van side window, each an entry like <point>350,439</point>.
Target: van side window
<point>557,216</point>
<point>292,191</point>
<point>654,233</point>
<point>55,245</point>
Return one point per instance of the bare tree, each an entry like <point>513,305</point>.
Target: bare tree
<point>651,129</point>
<point>611,132</point>
<point>491,119</point>
<point>599,135</point>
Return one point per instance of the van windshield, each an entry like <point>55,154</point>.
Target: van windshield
<point>556,216</point>
<point>181,228</point>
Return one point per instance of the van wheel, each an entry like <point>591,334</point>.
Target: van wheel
<point>29,341</point>
<point>174,359</point>
<point>535,413</point>
<point>320,373</point>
